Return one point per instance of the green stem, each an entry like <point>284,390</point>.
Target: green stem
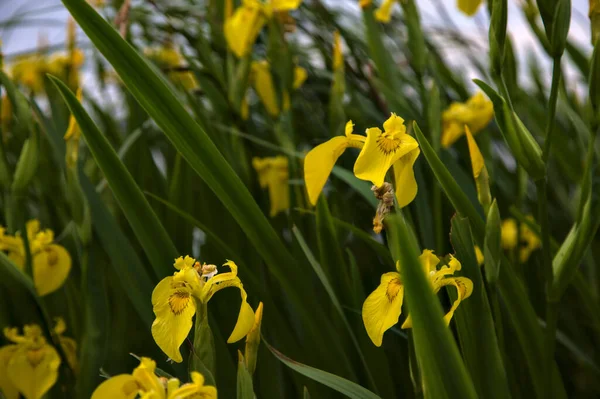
<point>551,324</point>
<point>497,316</point>
<point>556,75</point>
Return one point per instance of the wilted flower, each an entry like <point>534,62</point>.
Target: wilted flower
<point>381,310</point>
<point>176,298</point>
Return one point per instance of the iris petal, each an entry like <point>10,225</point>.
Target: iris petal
<point>318,164</point>
<point>404,177</point>
<point>383,306</point>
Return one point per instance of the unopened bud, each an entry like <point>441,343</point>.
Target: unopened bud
<point>253,340</point>
<point>492,244</point>
<point>27,163</point>
<point>497,34</point>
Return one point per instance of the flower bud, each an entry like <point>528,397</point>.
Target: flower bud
<point>594,85</point>
<point>27,163</point>
<point>416,41</point>
<point>492,247</point>
<point>497,34</point>
<point>556,16</point>
<point>253,340</point>
<point>595,19</point>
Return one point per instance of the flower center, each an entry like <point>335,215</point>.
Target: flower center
<point>35,356</point>
<point>179,301</point>
<point>388,143</point>
<point>392,289</point>
<point>52,258</point>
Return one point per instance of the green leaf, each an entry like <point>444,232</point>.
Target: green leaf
<point>147,227</point>
<point>339,384</point>
<point>443,372</point>
<point>474,321</point>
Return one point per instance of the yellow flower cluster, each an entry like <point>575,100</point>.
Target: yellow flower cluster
<point>50,262</point>
<point>273,174</point>
<point>176,298</point>
<point>380,150</point>
<point>31,70</point>
<point>144,383</point>
<point>29,366</point>
<point>382,308</point>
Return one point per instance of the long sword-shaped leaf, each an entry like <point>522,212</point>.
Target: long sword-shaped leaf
<point>515,298</point>
<point>187,136</point>
<point>342,385</point>
<point>474,322</point>
<point>147,227</point>
<point>443,372</point>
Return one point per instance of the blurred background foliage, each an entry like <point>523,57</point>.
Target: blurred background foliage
<point>393,67</point>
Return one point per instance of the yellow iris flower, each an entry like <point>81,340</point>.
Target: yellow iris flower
<point>176,298</point>
<point>262,80</point>
<point>29,366</point>
<point>469,7</point>
<point>168,58</point>
<point>379,151</point>
<point>244,25</point>
<point>476,113</point>
<point>51,262</point>
<point>382,308</point>
<point>68,345</point>
<point>384,12</point>
<point>510,235</point>
<point>29,71</point>
<point>144,383</point>
<point>273,174</point>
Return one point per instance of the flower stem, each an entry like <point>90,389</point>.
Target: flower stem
<point>556,75</point>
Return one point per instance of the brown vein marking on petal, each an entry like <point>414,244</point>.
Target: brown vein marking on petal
<point>52,258</point>
<point>179,301</point>
<point>388,144</point>
<point>35,356</point>
<point>392,289</point>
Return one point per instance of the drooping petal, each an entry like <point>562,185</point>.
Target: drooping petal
<point>469,7</point>
<point>122,386</point>
<point>195,389</point>
<point>383,306</point>
<point>318,164</point>
<point>384,12</point>
<point>245,319</point>
<point>464,288</point>
<point>242,29</point>
<point>8,389</point>
<point>264,86</point>
<point>51,268</point>
<point>69,346</point>
<point>404,178</point>
<point>174,308</point>
<point>429,261</point>
<point>34,371</point>
<point>451,132</point>
<point>380,153</point>
<point>279,194</point>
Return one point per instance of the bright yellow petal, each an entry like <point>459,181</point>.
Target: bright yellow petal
<point>285,5</point>
<point>464,287</point>
<point>429,261</point>
<point>382,308</point>
<point>279,196</point>
<point>196,389</point>
<point>146,378</point>
<point>509,234</point>
<point>51,268</point>
<point>451,133</point>
<point>300,76</point>
<point>404,178</point>
<point>34,371</point>
<point>122,386</point>
<point>384,12</point>
<point>242,29</point>
<point>380,152</point>
<point>476,157</point>
<point>174,309</point>
<point>264,86</point>
<point>245,320</point>
<point>7,388</point>
<point>469,7</point>
<point>481,111</point>
<point>318,164</point>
